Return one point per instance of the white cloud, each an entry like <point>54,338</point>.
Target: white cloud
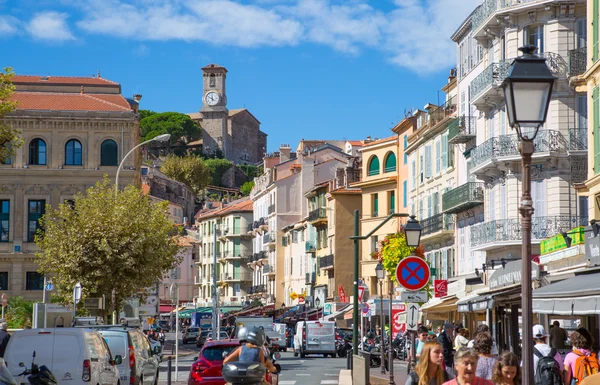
<point>8,25</point>
<point>50,26</point>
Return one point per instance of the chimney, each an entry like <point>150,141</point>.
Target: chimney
<point>81,92</point>
<point>284,153</point>
<point>137,97</point>
<point>98,73</point>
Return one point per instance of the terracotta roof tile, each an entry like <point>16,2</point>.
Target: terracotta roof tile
<point>358,143</point>
<point>49,101</point>
<point>185,241</point>
<point>213,66</point>
<point>72,80</point>
<point>388,139</point>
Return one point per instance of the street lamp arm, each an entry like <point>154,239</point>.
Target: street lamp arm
<point>123,160</point>
<point>386,220</point>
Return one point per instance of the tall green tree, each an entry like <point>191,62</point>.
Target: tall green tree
<point>217,168</point>
<point>107,241</point>
<point>247,188</point>
<point>181,127</point>
<point>189,170</point>
<point>146,113</point>
<point>10,138</point>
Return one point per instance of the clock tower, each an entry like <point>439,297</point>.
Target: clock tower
<point>214,111</point>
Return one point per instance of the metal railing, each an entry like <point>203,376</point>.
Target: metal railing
<point>462,129</point>
<point>492,76</point>
<point>437,223</point>
<point>508,145</point>
<point>250,227</point>
<point>267,238</point>
<point>463,197</point>
<point>268,269</point>
<point>578,140</point>
<point>316,214</point>
<point>439,113</point>
<point>577,61</point>
<point>487,9</point>
<point>326,261</point>
<point>502,230</point>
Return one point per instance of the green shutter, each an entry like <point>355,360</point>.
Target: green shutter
<point>596,131</point>
<point>393,202</point>
<point>236,225</point>
<point>376,204</point>
<point>595,29</point>
<point>374,166</point>
<point>236,247</point>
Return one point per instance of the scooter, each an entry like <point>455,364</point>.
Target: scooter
<point>36,375</point>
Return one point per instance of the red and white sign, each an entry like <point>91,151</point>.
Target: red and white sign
<point>342,293</point>
<point>400,307</point>
<point>361,291</point>
<point>440,288</point>
<point>413,273</point>
<point>397,325</point>
<point>4,300</point>
<point>300,299</point>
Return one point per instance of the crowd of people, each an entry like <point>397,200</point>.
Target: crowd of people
<point>450,357</point>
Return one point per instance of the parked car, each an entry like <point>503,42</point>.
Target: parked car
<point>206,370</point>
<point>207,334</point>
<point>73,355</point>
<point>164,325</point>
<point>190,334</point>
<point>315,337</point>
<point>141,366</point>
<point>157,348</point>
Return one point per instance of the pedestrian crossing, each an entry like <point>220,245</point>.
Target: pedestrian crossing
<point>293,382</point>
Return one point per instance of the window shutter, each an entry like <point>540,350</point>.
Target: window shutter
<point>414,173</point>
<point>427,161</point>
<point>438,156</point>
<point>595,29</point>
<point>596,131</point>
<point>492,206</point>
<point>444,152</point>
<point>582,111</point>
<point>429,206</point>
<point>404,194</point>
<point>444,274</point>
<point>436,203</point>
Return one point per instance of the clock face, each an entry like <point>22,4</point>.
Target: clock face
<point>212,98</point>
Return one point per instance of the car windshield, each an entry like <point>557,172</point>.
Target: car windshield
<point>192,330</point>
<point>215,353</point>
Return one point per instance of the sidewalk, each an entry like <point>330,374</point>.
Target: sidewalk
<point>169,350</point>
<point>376,377</point>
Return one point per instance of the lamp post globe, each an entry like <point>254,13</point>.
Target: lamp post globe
<point>413,232</point>
<point>318,302</point>
<point>527,92</point>
<point>379,271</point>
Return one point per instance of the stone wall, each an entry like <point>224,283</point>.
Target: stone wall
<point>248,142</point>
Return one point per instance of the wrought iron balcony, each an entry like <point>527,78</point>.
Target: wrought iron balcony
<point>266,238</point>
<point>261,288</point>
<point>437,114</point>
<point>271,209</point>
<point>486,10</point>
<point>437,223</point>
<point>508,145</point>
<point>311,278</point>
<point>267,269</point>
<point>463,197</point>
<point>577,61</point>
<point>326,262</point>
<point>462,129</point>
<point>317,214</point>
<point>578,140</point>
<point>492,76</point>
<point>507,230</point>
<point>262,255</point>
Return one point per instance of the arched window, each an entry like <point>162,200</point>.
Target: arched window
<point>37,152</point>
<point>108,153</point>
<point>390,162</point>
<point>374,166</point>
<point>73,153</point>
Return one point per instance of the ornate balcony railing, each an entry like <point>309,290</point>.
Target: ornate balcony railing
<point>463,197</point>
<point>317,214</point>
<point>268,269</point>
<point>437,223</point>
<point>485,11</point>
<point>577,61</point>
<point>439,113</point>
<point>326,261</point>
<point>493,76</point>
<point>503,230</point>
<point>462,129</point>
<point>508,145</point>
<point>267,238</point>
<point>578,140</point>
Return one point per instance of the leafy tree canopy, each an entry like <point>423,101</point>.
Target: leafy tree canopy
<point>217,168</point>
<point>246,188</point>
<point>107,241</point>
<point>19,313</point>
<point>394,249</point>
<point>190,170</point>
<point>10,138</point>
<point>181,127</point>
<point>250,171</point>
<point>146,113</point>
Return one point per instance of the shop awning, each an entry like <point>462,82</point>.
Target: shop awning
<point>166,308</point>
<point>474,303</point>
<point>440,305</point>
<point>338,314</point>
<point>574,296</point>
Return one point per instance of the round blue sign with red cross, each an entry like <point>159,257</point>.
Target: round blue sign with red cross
<point>413,273</point>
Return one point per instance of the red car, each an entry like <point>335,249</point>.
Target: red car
<point>206,370</point>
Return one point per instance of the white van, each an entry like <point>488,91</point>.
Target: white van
<point>73,355</point>
<point>314,337</point>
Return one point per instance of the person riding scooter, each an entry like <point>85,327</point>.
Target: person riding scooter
<point>252,351</point>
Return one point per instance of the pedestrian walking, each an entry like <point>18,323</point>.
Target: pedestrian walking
<point>547,362</point>
<point>445,338</point>
<point>487,361</point>
<point>507,370</point>
<point>460,341</point>
<point>439,331</point>
<point>582,362</point>
<point>4,337</point>
<point>161,337</point>
<point>422,335</point>
<point>480,329</point>
<point>430,370</point>
<point>558,336</point>
<point>466,368</point>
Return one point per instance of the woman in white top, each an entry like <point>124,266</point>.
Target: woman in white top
<point>461,340</point>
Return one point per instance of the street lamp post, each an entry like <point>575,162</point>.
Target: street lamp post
<point>527,93</point>
<point>380,273</point>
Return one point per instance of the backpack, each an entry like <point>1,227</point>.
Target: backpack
<point>585,365</point>
<point>547,371</point>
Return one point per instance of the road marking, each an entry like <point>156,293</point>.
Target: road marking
<point>329,382</point>
<point>287,382</point>
<point>332,374</point>
<point>303,374</point>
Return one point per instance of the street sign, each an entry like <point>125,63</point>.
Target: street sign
<point>361,292</point>
<point>414,296</point>
<point>77,293</point>
<point>327,309</point>
<point>412,317</point>
<point>367,313</point>
<point>342,293</point>
<point>440,288</point>
<point>4,300</point>
<point>366,309</point>
<point>413,273</point>
<point>49,286</point>
<point>300,299</point>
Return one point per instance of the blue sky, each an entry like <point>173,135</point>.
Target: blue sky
<point>313,69</point>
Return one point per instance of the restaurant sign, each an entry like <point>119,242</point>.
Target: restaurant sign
<point>557,242</point>
<point>511,274</point>
<point>592,247</point>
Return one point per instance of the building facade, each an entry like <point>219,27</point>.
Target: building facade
<point>76,130</point>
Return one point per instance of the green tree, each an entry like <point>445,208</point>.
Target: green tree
<point>181,127</point>
<point>246,188</point>
<point>145,113</point>
<point>250,171</point>
<point>394,249</point>
<point>110,242</point>
<point>19,313</point>
<point>217,168</point>
<point>190,170</point>
<point>10,138</point>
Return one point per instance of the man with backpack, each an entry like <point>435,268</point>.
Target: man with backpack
<point>547,362</point>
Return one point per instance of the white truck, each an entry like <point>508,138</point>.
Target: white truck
<point>315,337</point>
<point>275,331</point>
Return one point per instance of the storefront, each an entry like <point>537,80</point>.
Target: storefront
<point>440,310</point>
<point>475,310</point>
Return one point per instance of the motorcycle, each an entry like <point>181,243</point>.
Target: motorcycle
<point>36,375</point>
<point>343,347</point>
